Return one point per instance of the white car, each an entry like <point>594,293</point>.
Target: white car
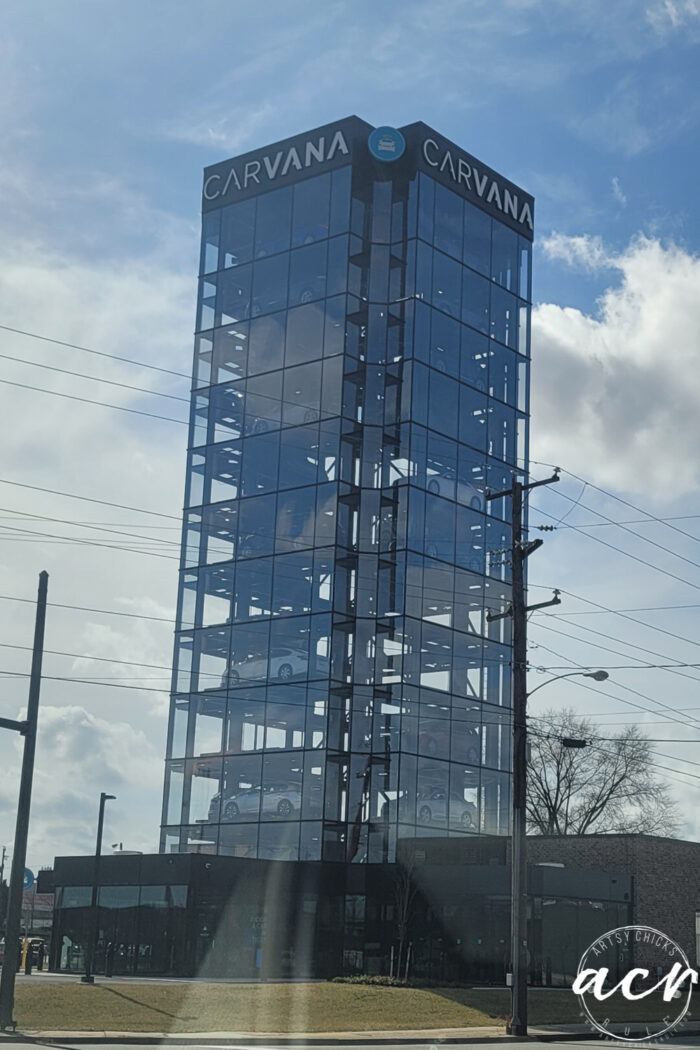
<point>277,800</point>
<point>437,807</point>
<point>282,664</point>
<point>452,487</point>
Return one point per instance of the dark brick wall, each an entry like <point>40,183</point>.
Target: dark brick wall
<point>666,875</point>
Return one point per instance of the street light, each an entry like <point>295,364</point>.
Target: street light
<point>597,676</point>
<point>518,1022</point>
<point>88,976</point>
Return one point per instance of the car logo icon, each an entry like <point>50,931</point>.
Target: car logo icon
<point>386,144</point>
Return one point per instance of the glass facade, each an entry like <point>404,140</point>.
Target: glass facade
<point>360,381</point>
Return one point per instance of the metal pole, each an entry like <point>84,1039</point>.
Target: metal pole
<point>518,1022</point>
<point>88,976</point>
<point>19,856</point>
<point>3,912</point>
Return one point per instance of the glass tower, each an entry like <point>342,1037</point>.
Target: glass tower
<point>360,382</point>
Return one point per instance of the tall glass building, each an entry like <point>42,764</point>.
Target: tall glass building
<point>360,382</point>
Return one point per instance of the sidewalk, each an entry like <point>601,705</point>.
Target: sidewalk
<point>543,1033</point>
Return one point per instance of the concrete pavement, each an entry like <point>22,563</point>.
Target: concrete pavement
<point>488,1037</point>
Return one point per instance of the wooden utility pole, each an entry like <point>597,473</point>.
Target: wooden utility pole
<point>19,855</point>
<point>518,610</point>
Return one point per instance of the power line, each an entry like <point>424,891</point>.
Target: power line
<point>626,688</point>
<point>83,542</point>
<point>83,681</point>
<point>609,649</point>
<point>98,528</point>
<point>634,521</point>
<point>626,503</point>
<point>620,525</point>
<point>628,554</point>
<point>91,401</point>
<point>22,515</point>
<point>621,641</point>
<point>655,765</point>
<point>616,714</point>
<point>619,612</point>
<point>94,379</point>
<point>89,499</point>
<point>82,656</point>
<point>663,740</point>
<point>623,667</point>
<point>85,608</point>
<point>616,612</point>
<point>89,350</point>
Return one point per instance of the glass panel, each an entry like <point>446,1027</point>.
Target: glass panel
<point>266,344</point>
<point>209,260</point>
<point>299,451</point>
<point>263,403</point>
<point>273,222</point>
<point>446,293</point>
<point>305,334</point>
<point>504,256</point>
<point>237,222</point>
<point>302,394</point>
<point>340,201</point>
<point>307,274</point>
<point>475,300</point>
<point>230,353</point>
<point>477,239</point>
<point>252,593</point>
<point>233,296</point>
<point>256,531</point>
<point>269,285</point>
<point>311,210</point>
<point>260,455</point>
<point>449,221</point>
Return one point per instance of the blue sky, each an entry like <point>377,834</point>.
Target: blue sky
<point>108,115</point>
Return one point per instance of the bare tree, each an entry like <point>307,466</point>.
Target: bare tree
<point>405,891</point>
<point>608,786</point>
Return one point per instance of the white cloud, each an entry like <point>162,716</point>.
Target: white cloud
<point>92,738</point>
<point>615,394</point>
<point>589,253</point>
<point>618,192</point>
<point>665,15</point>
<point>78,755</point>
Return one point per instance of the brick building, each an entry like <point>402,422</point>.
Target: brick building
<point>665,877</point>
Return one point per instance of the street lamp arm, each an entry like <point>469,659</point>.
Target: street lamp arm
<point>598,676</point>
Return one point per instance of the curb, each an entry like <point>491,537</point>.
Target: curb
<point>545,1034</point>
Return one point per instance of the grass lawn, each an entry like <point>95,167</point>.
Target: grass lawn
<point>269,1008</point>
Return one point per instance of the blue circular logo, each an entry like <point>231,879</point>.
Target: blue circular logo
<point>386,144</point>
<point>28,879</point>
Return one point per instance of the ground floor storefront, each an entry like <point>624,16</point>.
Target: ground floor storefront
<point>439,914</point>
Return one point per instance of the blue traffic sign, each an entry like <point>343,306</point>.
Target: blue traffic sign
<point>28,879</point>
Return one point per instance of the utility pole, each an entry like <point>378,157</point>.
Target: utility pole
<point>520,550</point>
<point>88,977</point>
<point>19,856</point>
<point>3,906</point>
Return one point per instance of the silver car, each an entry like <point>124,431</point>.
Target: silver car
<point>280,800</point>
<point>280,663</point>
<point>437,807</point>
<point>449,485</point>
